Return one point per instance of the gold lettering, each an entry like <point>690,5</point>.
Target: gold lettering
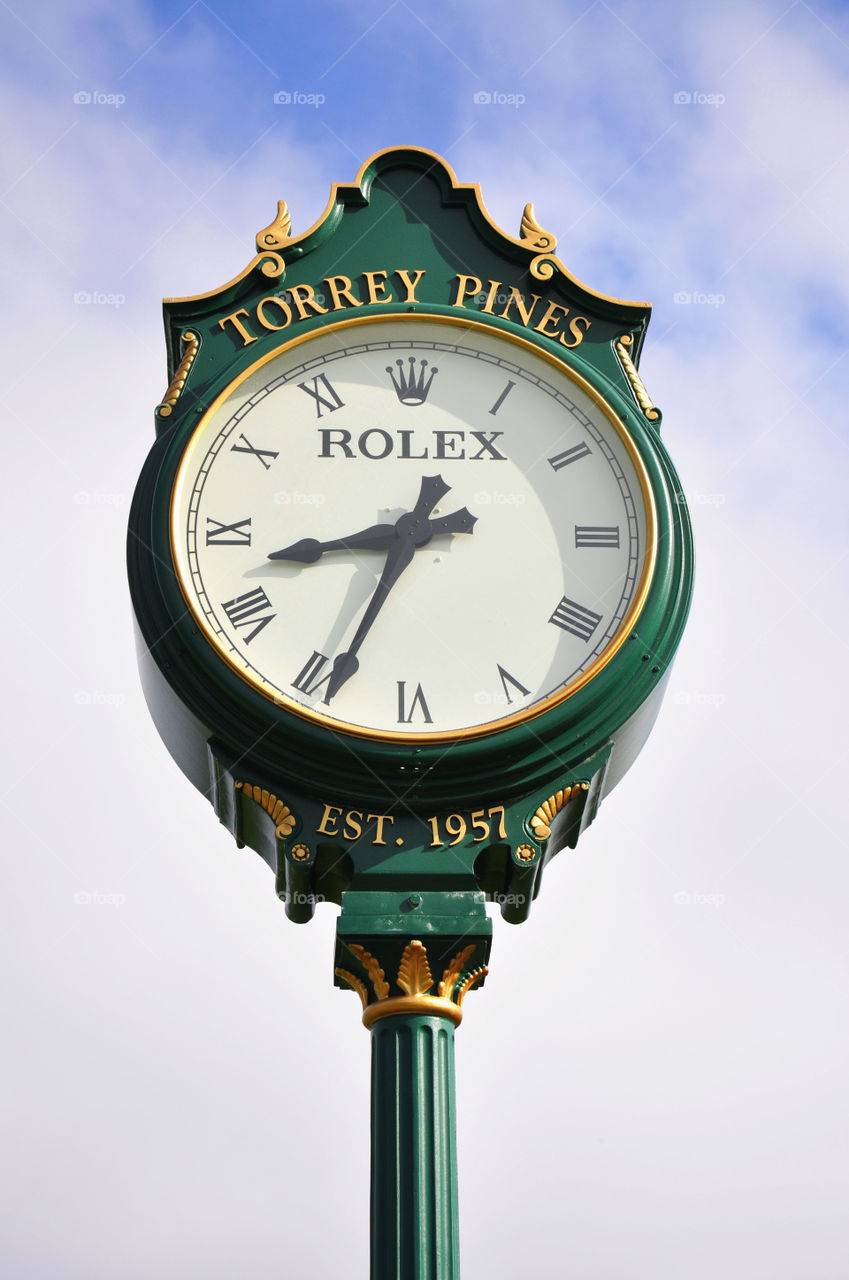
<point>354,821</point>
<point>303,296</point>
<point>380,818</point>
<point>577,334</point>
<point>340,291</point>
<point>284,307</point>
<point>524,312</point>
<point>494,286</point>
<point>549,315</point>
<point>409,285</point>
<point>323,826</point>
<point>377,291</point>
<point>237,324</point>
<point>463,290</point>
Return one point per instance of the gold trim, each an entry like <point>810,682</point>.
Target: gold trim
<point>300,852</point>
<point>457,186</point>
<point>281,814</point>
<point>372,967</point>
<point>277,233</point>
<point>180,558</point>
<point>535,237</point>
<point>175,386</point>
<point>422,1006</point>
<point>549,809</point>
<point>526,853</point>
<point>643,398</point>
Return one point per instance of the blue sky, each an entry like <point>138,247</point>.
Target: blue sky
<point>653,1081</point>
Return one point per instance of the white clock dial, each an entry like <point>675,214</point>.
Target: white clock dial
<point>524,574</point>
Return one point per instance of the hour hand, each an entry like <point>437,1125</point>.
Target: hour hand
<point>461,521</point>
<point>376,538</point>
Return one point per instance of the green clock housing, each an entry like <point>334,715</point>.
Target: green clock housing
<point>408,559</point>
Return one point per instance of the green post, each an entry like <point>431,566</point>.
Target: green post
<point>414,1216</point>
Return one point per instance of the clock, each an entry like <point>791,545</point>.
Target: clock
<point>409,565</point>
<point>413,529</point>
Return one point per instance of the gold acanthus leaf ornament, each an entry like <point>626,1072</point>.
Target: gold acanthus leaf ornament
<point>415,979</point>
<point>536,237</point>
<point>549,809</point>
<point>175,386</point>
<point>452,973</point>
<point>355,983</point>
<point>469,981</point>
<point>414,975</point>
<point>281,814</point>
<point>373,969</point>
<point>275,235</point>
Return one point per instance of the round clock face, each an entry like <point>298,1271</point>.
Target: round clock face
<point>413,528</point>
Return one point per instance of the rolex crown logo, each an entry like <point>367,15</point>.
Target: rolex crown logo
<point>412,387</point>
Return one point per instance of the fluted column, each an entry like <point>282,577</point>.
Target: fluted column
<point>414,1217</point>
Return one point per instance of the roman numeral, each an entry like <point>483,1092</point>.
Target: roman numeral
<point>596,535</point>
<point>504,394</point>
<point>250,608</point>
<point>247,447</point>
<point>563,459</point>
<point>575,618</point>
<point>506,679</point>
<point>320,399</point>
<point>240,533</point>
<point>418,701</point>
<point>305,679</point>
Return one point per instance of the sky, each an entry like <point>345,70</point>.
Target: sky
<point>653,1081</point>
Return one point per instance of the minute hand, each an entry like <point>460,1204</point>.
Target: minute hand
<point>347,664</point>
<point>411,530</point>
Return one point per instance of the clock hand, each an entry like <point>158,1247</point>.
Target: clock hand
<point>461,521</point>
<point>347,664</point>
<point>378,537</point>
<point>431,490</point>
<point>411,530</point>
